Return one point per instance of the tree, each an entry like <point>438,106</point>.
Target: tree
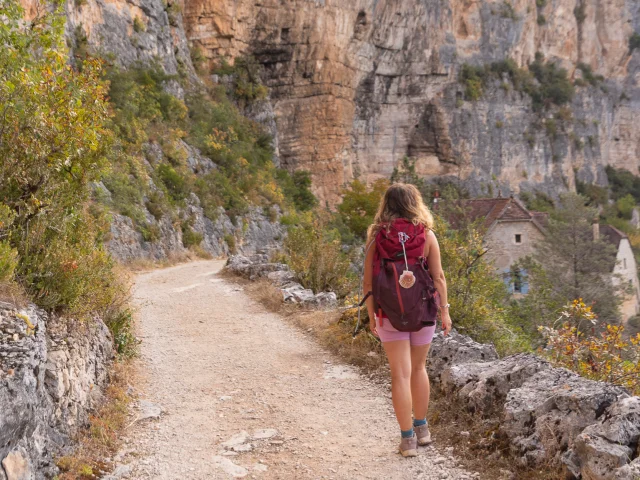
<point>569,264</point>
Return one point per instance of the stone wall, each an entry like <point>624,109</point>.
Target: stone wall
<point>502,248</point>
<point>546,415</point>
<point>52,373</point>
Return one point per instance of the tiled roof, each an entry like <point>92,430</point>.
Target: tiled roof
<point>611,235</point>
<point>541,217</point>
<point>493,209</point>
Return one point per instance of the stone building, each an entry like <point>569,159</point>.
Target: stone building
<point>625,270</point>
<point>511,233</point>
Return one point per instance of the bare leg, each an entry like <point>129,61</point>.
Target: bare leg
<point>399,355</point>
<point>420,388</point>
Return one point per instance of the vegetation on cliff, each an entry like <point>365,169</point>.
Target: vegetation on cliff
<point>54,138</point>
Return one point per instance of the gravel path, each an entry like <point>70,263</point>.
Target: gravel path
<point>245,394</point>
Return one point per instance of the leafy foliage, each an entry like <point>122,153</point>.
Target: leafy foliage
<point>607,357</point>
<point>53,141</point>
<point>359,205</point>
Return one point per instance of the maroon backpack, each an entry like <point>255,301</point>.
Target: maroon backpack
<point>403,289</point>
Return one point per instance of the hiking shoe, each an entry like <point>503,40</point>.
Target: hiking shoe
<point>423,434</point>
<point>409,446</point>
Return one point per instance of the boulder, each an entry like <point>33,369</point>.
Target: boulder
<point>484,386</point>
<point>543,417</point>
<point>326,300</point>
<point>281,277</point>
<point>456,349</point>
<point>606,446</point>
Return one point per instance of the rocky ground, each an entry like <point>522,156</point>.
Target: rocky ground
<point>234,391</point>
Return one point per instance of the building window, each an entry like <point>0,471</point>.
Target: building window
<point>518,238</point>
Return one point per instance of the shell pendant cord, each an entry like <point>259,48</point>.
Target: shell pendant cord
<point>407,279</point>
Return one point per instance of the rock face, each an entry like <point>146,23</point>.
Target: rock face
<point>356,86</point>
<point>547,415</point>
<point>51,376</point>
<point>249,234</point>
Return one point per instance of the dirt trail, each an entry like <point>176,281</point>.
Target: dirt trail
<point>244,393</point>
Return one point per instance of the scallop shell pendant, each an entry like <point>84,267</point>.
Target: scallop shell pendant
<point>407,279</point>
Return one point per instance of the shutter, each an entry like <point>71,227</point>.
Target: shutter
<point>525,282</point>
<point>506,278</point>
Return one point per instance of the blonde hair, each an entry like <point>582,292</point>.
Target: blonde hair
<point>401,200</point>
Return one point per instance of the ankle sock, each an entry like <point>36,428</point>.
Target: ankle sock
<point>407,433</point>
<point>419,423</point>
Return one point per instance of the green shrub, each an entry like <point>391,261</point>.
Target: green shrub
<point>175,183</point>
<point>173,12</point>
<point>634,41</point>
<point>230,240</point>
<point>589,76</point>
<point>120,323</point>
<point>541,3</point>
<point>359,205</point>
<point>541,20</point>
<point>315,254</point>
<point>298,187</point>
<point>190,238</point>
<point>580,13</point>
<point>507,10</point>
<point>473,80</point>
<point>138,25</point>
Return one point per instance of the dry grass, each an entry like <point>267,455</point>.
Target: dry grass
<point>100,439</point>
<point>13,293</point>
<point>482,450</point>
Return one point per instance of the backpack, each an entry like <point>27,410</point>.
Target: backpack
<point>403,289</point>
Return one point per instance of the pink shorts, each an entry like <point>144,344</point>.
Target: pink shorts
<point>387,333</point>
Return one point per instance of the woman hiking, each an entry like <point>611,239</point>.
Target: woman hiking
<point>406,289</point>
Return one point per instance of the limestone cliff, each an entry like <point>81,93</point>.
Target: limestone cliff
<point>358,85</point>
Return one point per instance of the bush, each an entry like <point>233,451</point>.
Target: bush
<point>580,13</point>
<point>359,205</point>
<point>634,42</point>
<point>138,25</point>
<point>589,76</point>
<point>315,254</point>
<point>175,183</point>
<point>541,20</point>
<point>298,188</point>
<point>605,357</point>
<point>54,138</point>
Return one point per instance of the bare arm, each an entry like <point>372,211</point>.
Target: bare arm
<point>432,251</point>
<point>367,286</point>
